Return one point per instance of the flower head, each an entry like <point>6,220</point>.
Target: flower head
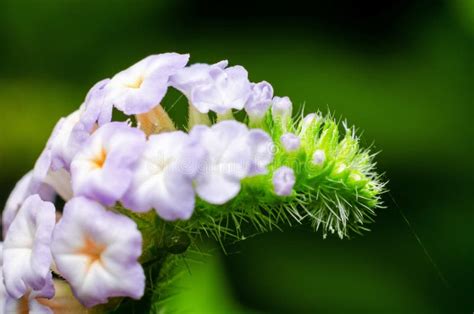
<point>164,176</point>
<point>214,87</point>
<point>24,188</point>
<point>26,250</point>
<point>290,141</point>
<point>143,85</point>
<point>103,169</point>
<point>96,251</point>
<point>259,100</point>
<point>283,181</point>
<point>232,153</point>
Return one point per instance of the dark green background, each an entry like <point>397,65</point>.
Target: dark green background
<point>401,71</point>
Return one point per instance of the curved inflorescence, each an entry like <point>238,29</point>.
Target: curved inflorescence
<point>139,191</point>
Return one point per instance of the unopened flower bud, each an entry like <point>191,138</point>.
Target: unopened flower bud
<point>319,157</point>
<point>283,181</point>
<point>281,107</point>
<point>290,142</point>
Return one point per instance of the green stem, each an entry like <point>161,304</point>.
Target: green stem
<point>228,115</point>
<point>195,117</point>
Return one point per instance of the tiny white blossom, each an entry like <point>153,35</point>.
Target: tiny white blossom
<point>102,170</point>
<point>164,176</point>
<point>24,188</point>
<point>213,87</point>
<point>96,251</point>
<point>26,252</point>
<point>143,85</point>
<point>259,100</point>
<point>54,162</point>
<point>234,153</point>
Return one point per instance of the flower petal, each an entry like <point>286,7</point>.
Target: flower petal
<point>103,169</point>
<point>164,176</point>
<point>96,251</point>
<point>26,252</point>
<point>142,86</point>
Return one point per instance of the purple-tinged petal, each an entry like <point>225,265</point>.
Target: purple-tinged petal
<point>24,188</point>
<point>26,252</point>
<point>103,169</point>
<point>57,156</point>
<point>96,251</point>
<point>60,149</point>
<point>290,141</point>
<point>259,100</point>
<point>164,176</point>
<point>60,181</point>
<point>283,181</point>
<point>186,79</point>
<point>33,301</point>
<point>233,154</point>
<point>229,89</point>
<point>95,112</point>
<point>143,85</point>
<point>213,87</point>
<point>3,292</point>
<point>262,149</point>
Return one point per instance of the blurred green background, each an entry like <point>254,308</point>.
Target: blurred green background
<point>401,71</point>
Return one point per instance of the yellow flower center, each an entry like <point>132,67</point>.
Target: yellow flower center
<point>99,160</point>
<point>92,250</point>
<point>137,83</point>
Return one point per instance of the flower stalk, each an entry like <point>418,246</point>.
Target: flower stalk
<point>155,121</point>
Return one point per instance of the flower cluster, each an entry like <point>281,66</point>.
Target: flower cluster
<point>110,172</point>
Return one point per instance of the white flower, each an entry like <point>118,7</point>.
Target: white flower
<point>164,177</point>
<point>24,188</point>
<point>96,251</point>
<point>52,166</point>
<point>143,85</point>
<point>194,75</point>
<point>60,148</point>
<point>259,100</point>
<point>104,167</point>
<point>26,250</point>
<point>213,87</point>
<point>233,154</point>
<point>33,302</point>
